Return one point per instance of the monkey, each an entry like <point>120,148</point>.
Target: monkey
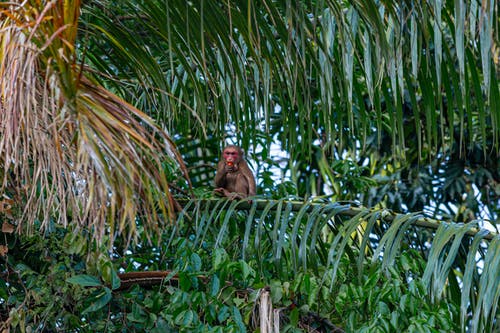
<point>234,179</point>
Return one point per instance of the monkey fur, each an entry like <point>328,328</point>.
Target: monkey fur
<point>234,179</point>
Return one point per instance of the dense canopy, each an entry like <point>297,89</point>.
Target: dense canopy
<point>372,128</point>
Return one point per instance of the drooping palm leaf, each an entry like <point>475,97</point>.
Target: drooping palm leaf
<point>72,151</point>
<point>297,236</point>
<point>335,68</point>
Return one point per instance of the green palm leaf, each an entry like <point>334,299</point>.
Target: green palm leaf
<point>311,235</point>
<point>298,64</point>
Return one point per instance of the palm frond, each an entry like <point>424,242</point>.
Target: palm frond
<point>75,152</point>
<point>332,65</point>
<point>317,235</point>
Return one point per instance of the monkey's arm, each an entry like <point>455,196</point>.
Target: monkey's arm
<point>249,178</point>
<point>251,184</point>
<point>220,176</point>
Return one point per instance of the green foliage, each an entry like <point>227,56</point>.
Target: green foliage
<point>49,288</point>
<point>389,104</point>
<point>394,302</point>
<point>217,271</point>
<point>329,71</point>
<point>35,295</point>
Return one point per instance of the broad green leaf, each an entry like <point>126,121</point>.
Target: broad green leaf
<point>214,285</point>
<point>85,280</point>
<point>98,301</point>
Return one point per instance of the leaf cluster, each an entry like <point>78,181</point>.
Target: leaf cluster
<point>319,277</point>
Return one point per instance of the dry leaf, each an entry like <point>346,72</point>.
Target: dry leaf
<point>6,206</point>
<point>7,326</point>
<point>8,228</point>
<point>3,250</point>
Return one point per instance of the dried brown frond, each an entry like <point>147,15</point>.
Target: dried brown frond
<point>72,151</point>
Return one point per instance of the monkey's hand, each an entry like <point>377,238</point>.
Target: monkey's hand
<point>230,167</point>
<point>222,192</point>
<point>225,193</point>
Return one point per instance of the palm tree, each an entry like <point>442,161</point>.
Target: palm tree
<point>351,91</point>
<point>71,150</point>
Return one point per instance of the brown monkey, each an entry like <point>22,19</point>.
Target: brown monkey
<point>234,179</point>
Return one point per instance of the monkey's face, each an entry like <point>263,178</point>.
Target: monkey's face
<point>231,156</point>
